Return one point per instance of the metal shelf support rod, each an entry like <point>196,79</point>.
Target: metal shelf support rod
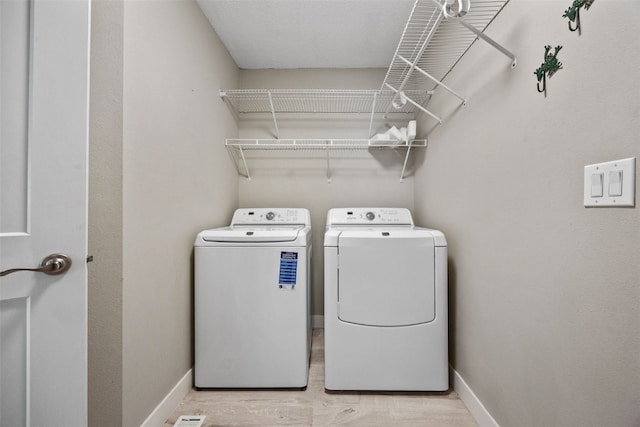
<point>273,113</point>
<point>328,164</point>
<point>483,36</point>
<point>416,104</point>
<point>406,158</point>
<point>244,161</point>
<point>438,82</point>
<point>230,106</point>
<point>373,112</point>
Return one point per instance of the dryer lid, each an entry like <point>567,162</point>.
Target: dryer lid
<point>386,280</point>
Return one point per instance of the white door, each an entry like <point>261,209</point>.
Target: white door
<point>44,56</point>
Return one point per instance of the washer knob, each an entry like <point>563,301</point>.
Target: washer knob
<point>370,216</point>
<point>270,215</point>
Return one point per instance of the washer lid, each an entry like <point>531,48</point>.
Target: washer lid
<point>386,277</point>
<point>252,234</point>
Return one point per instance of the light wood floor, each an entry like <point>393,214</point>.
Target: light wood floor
<point>315,407</point>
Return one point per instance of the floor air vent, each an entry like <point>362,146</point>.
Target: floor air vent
<point>190,421</point>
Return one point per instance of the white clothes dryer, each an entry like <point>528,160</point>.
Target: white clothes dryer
<point>385,302</point>
<point>252,301</point>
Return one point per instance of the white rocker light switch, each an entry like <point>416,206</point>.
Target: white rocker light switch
<point>596,185</point>
<point>615,183</point>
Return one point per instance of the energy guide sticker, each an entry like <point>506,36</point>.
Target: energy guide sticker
<point>288,269</point>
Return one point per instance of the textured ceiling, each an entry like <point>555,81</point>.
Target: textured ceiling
<point>309,33</point>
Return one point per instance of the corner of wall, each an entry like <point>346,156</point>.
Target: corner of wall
<point>105,215</point>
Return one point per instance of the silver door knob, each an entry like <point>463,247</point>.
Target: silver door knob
<point>52,265</point>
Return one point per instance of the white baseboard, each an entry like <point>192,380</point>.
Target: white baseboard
<point>170,402</point>
<point>185,385</point>
<point>317,321</point>
<point>469,398</point>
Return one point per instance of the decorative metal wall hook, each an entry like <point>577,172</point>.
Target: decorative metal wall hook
<point>542,79</point>
<point>548,68</point>
<point>577,21</point>
<point>573,13</point>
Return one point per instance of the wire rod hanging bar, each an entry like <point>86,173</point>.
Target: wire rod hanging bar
<point>273,113</point>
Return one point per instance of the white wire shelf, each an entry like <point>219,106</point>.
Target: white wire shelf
<point>432,43</point>
<point>314,101</point>
<point>321,144</point>
<point>278,102</point>
<point>435,43</point>
<point>240,147</point>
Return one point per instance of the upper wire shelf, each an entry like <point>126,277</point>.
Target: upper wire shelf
<point>277,102</point>
<point>282,101</point>
<point>437,34</point>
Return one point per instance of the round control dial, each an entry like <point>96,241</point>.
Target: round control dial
<point>370,216</point>
<point>270,216</point>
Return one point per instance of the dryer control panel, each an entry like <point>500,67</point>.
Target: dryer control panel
<point>268,216</point>
<point>369,216</point>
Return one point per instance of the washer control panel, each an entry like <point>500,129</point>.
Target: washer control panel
<point>276,216</point>
<point>369,216</point>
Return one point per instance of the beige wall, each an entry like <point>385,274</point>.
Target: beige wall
<point>160,175</point>
<point>544,292</point>
<point>300,179</point>
<point>105,215</point>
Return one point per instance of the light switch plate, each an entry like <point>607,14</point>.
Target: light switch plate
<point>624,169</point>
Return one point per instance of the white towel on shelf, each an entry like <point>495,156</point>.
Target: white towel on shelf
<point>411,131</point>
<point>392,136</point>
<point>379,139</point>
<point>395,136</point>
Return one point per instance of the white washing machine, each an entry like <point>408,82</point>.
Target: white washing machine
<point>385,299</point>
<point>252,301</point>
